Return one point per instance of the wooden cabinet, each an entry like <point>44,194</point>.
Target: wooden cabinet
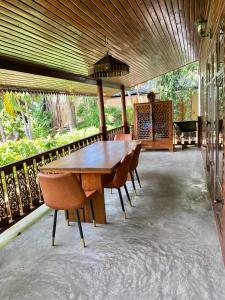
<point>153,124</point>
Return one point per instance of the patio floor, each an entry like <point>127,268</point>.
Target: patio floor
<point>166,249</point>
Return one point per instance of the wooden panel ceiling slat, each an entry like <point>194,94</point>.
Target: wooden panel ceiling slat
<point>177,20</point>
<point>160,19</point>
<point>185,27</point>
<point>52,34</point>
<point>38,22</point>
<point>126,30</point>
<point>158,22</point>
<point>76,71</point>
<point>108,29</point>
<point>170,10</point>
<point>170,28</point>
<point>143,14</point>
<point>181,28</point>
<point>152,36</point>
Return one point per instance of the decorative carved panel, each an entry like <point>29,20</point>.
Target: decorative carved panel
<point>13,199</point>
<point>161,119</point>
<point>23,190</point>
<point>3,208</point>
<point>154,125</point>
<point>34,188</point>
<point>144,122</point>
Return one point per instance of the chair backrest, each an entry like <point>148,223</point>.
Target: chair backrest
<point>121,174</point>
<point>135,157</point>
<point>62,191</point>
<point>123,137</point>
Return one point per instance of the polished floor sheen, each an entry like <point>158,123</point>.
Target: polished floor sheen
<point>166,249</point>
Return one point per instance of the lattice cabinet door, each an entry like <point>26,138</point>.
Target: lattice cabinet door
<point>144,126</point>
<point>162,118</point>
<point>153,123</point>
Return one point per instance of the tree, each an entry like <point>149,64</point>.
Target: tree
<point>179,86</point>
<point>2,130</point>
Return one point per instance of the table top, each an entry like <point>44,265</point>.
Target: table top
<point>100,157</point>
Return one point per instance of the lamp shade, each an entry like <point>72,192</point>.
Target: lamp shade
<point>108,66</point>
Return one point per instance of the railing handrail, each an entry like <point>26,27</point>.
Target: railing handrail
<point>115,129</point>
<point>2,168</point>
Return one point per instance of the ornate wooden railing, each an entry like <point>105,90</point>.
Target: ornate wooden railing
<point>19,190</point>
<point>111,133</point>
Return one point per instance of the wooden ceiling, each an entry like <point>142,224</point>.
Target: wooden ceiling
<point>11,80</point>
<point>152,36</point>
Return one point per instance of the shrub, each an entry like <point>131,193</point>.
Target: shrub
<point>12,151</point>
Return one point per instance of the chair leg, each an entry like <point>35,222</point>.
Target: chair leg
<point>132,179</point>
<point>67,217</point>
<point>93,213</point>
<point>128,196</point>
<point>122,204</point>
<point>84,215</point>
<point>136,172</point>
<point>80,228</point>
<point>54,227</point>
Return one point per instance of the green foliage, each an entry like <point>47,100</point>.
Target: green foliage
<point>12,151</point>
<point>18,147</point>
<point>13,126</point>
<point>41,120</point>
<point>12,106</point>
<point>88,114</point>
<point>130,115</point>
<point>179,86</point>
<point>113,116</point>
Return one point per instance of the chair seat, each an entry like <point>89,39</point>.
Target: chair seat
<point>89,194</point>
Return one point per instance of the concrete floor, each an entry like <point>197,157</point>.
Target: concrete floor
<point>166,249</point>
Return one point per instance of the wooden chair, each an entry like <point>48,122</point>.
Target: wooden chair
<point>134,164</point>
<point>119,179</point>
<point>123,137</point>
<point>64,192</point>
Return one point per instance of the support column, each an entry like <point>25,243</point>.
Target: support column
<point>199,132</point>
<point>124,112</point>
<point>101,108</point>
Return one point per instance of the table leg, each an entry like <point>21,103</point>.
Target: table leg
<point>92,182</point>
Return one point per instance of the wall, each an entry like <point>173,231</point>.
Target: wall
<point>130,100</point>
<point>212,110</point>
<point>194,107</point>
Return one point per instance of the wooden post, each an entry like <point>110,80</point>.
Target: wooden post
<point>199,132</point>
<point>124,112</point>
<point>102,128</point>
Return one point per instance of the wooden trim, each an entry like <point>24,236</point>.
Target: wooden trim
<point>102,128</point>
<point>199,132</point>
<point>124,111</point>
<point>25,67</point>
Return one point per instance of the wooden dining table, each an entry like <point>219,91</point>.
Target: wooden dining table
<point>90,164</point>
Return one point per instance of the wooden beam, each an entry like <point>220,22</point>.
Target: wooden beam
<point>200,121</point>
<point>124,111</point>
<point>102,128</point>
<point>36,69</point>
